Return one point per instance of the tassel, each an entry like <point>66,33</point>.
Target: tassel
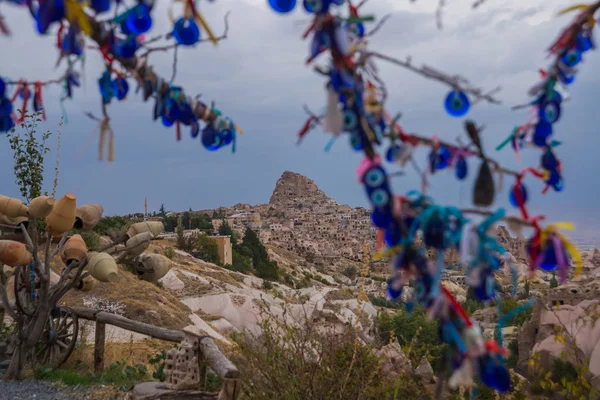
<point>37,99</point>
<point>106,130</point>
<point>178,130</point>
<point>333,121</point>
<point>330,144</point>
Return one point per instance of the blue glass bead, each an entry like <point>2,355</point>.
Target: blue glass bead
<point>457,103</point>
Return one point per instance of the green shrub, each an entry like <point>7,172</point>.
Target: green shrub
<point>92,240</point>
<point>169,252</point>
<point>302,362</point>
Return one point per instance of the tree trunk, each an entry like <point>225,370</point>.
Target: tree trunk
<point>29,334</point>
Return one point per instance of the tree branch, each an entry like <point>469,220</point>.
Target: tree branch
<point>456,82</point>
<point>60,245</point>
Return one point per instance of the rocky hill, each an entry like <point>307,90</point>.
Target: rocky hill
<point>295,191</point>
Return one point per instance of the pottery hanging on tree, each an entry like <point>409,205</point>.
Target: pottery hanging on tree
<point>41,207</point>
<point>62,217</point>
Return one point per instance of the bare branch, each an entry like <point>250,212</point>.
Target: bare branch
<point>47,254</point>
<point>456,82</point>
<point>60,245</point>
<point>379,25</point>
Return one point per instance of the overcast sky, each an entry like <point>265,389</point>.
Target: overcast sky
<point>258,77</point>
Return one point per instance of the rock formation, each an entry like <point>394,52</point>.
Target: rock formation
<point>293,190</point>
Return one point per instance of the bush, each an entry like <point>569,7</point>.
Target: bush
<point>206,249</point>
<point>350,272</point>
<point>414,325</point>
<point>91,239</point>
<point>299,361</point>
<point>169,252</point>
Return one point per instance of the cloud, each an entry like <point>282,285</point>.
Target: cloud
<point>258,77</point>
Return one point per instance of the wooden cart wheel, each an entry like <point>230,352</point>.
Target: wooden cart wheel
<point>58,339</point>
<point>25,294</point>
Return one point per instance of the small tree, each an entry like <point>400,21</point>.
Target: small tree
<point>162,212</point>
<point>225,230</point>
<point>206,249</point>
<point>553,281</point>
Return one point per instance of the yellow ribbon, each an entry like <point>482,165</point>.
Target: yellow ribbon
<point>569,247</point>
<point>387,252</point>
<point>74,13</point>
<point>573,8</point>
<point>205,26</point>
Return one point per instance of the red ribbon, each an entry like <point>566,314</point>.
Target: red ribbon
<point>24,87</point>
<point>59,38</point>
<point>38,98</point>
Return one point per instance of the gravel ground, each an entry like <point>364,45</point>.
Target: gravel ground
<point>39,390</point>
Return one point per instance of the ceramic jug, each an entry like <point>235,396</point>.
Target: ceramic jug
<point>88,216</point>
<point>41,207</point>
<point>74,250</point>
<point>102,267</point>
<point>12,207</point>
<point>14,253</point>
<point>62,217</point>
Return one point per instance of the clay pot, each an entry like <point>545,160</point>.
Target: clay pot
<point>86,284</point>
<point>14,253</point>
<point>54,278</point>
<point>155,227</point>
<point>8,271</point>
<point>138,244</point>
<point>12,207</point>
<point>41,207</point>
<point>102,267</point>
<point>88,216</point>
<point>74,250</point>
<point>153,266</point>
<point>62,217</point>
<point>16,221</point>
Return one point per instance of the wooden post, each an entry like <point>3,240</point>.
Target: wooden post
<point>99,347</point>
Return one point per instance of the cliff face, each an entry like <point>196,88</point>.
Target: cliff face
<point>515,246</point>
<point>293,190</point>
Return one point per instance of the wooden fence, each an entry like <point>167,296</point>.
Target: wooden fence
<point>210,353</point>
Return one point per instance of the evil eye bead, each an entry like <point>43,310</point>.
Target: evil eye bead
<point>186,32</point>
<point>543,129</point>
<point>460,168</point>
<point>6,124</point>
<point>584,41</point>
<point>566,77</point>
<point>210,138</point>
<point>457,103</point>
<point>120,88</point>
<point>2,88</point>
<point>558,186</point>
<point>6,107</point>
<point>553,178</point>
<point>550,112</point>
<point>485,290</point>
<point>315,6</point>
<point>549,161</point>
<point>514,199</point>
<point>394,288</point>
<point>393,152</point>
<point>443,156</point>
<point>356,141</point>
<point>571,58</point>
<point>433,236</point>
<point>282,6</point>
<point>350,120</point>
<point>126,48</point>
<point>549,261</point>
<point>380,198</point>
<point>381,217</point>
<point>195,130</point>
<point>501,379</point>
<point>139,20</point>
<point>100,6</point>
<point>375,177</point>
<point>227,136</point>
